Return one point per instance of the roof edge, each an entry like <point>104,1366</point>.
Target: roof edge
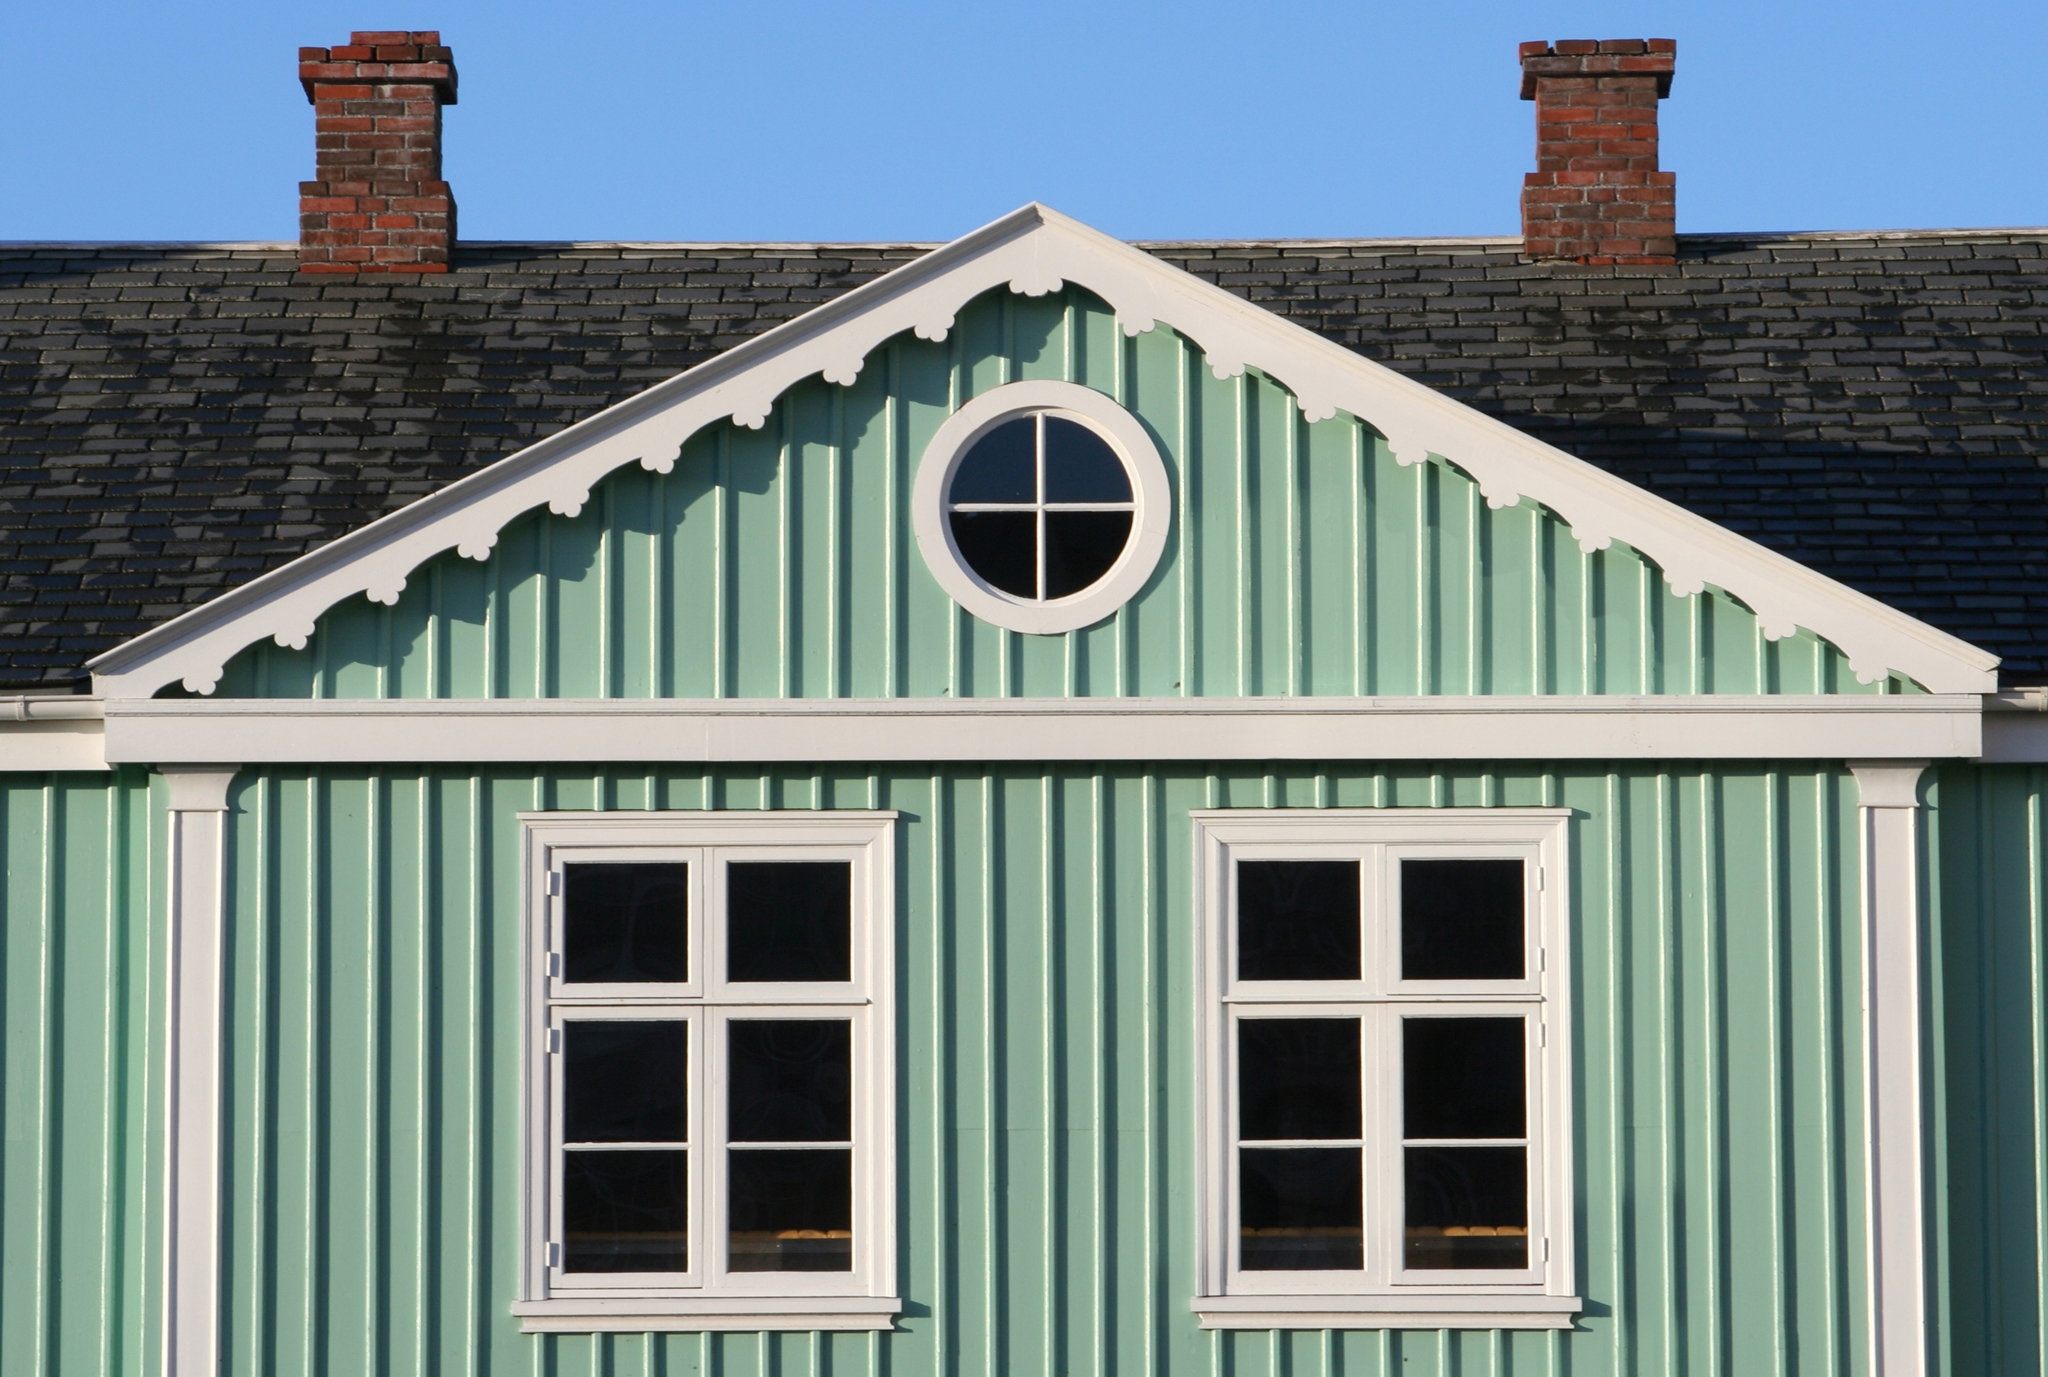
<point>924,246</point>
<point>1034,250</point>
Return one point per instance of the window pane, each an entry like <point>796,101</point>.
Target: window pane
<point>1080,547</point>
<point>1300,1209</point>
<point>789,920</point>
<point>625,923</point>
<point>1080,466</point>
<point>1297,920</point>
<point>1463,1078</point>
<point>1462,920</point>
<point>791,1211</point>
<point>791,1081</point>
<point>1298,1078</point>
<point>1002,547</point>
<point>623,1081</point>
<point>625,1211</point>
<point>1002,466</point>
<point>1467,1207</point>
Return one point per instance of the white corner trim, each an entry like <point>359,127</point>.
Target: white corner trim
<point>1895,1248</point>
<point>1704,727</point>
<point>581,1315</point>
<point>1035,250</point>
<point>1151,519</point>
<point>1525,1310</point>
<point>197,886</point>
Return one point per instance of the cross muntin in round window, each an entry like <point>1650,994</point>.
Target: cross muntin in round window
<point>1040,506</point>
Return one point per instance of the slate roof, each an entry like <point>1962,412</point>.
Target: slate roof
<point>175,419</point>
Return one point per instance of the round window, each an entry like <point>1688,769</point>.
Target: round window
<point>1041,506</point>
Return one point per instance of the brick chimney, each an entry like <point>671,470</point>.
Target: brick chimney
<point>380,205</point>
<point>1596,195</point>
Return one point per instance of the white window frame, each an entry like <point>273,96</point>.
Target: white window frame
<point>1151,505</point>
<point>1383,1294</point>
<point>707,1297</point>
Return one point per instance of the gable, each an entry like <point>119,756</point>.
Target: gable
<point>776,563</point>
<point>1257,361</point>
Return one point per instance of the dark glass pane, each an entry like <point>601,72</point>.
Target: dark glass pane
<point>1461,920</point>
<point>1297,920</point>
<point>625,1211</point>
<point>625,923</point>
<point>789,920</point>
<point>1002,547</point>
<point>1297,1078</point>
<point>1300,1210</point>
<point>1002,466</point>
<point>623,1081</point>
<point>791,1211</point>
<point>1080,466</point>
<point>1467,1207</point>
<point>791,1081</point>
<point>1080,547</point>
<point>1462,1078</point>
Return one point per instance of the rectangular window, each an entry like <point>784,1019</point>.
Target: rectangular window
<point>709,1087</point>
<point>1383,1031</point>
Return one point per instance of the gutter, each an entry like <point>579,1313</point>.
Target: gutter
<point>51,707</point>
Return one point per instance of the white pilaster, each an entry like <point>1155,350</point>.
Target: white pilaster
<point>1887,812</point>
<point>198,893</point>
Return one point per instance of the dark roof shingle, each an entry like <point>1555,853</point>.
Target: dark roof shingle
<point>175,419</point>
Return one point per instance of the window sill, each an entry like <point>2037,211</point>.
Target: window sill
<point>700,1314</point>
<point>1509,1310</point>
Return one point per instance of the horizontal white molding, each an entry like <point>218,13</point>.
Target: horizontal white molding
<point>2015,738</point>
<point>1465,1310</point>
<point>78,744</point>
<point>598,731</point>
<point>699,1314</point>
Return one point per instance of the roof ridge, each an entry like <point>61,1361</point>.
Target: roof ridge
<point>1736,236</point>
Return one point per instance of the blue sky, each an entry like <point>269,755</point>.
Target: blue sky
<point>805,120</point>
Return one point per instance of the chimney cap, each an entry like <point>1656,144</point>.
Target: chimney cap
<point>1587,57</point>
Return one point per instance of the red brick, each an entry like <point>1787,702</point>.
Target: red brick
<point>379,203</point>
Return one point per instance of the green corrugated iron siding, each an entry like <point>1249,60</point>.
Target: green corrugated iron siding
<point>1990,852</point>
<point>1046,1137</point>
<point>81,1142</point>
<point>780,563</point>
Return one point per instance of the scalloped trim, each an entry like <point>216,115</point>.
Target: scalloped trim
<point>1034,251</point>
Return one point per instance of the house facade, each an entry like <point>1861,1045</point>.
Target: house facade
<point>1028,809</point>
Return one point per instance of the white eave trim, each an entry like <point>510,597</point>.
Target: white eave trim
<point>1035,250</point>
<point>601,731</point>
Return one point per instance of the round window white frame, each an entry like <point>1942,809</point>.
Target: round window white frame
<point>1151,499</point>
